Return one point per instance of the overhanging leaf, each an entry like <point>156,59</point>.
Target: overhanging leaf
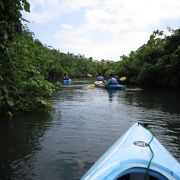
<point>10,102</point>
<point>27,6</point>
<point>2,4</point>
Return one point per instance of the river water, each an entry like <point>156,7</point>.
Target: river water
<point>82,125</point>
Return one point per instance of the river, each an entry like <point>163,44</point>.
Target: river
<point>83,124</point>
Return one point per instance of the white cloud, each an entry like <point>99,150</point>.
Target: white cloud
<point>74,5</point>
<point>67,26</point>
<point>79,40</point>
<point>43,11</point>
<point>127,24</point>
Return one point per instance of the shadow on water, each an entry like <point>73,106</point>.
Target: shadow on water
<point>168,101</point>
<point>19,141</point>
<point>111,94</point>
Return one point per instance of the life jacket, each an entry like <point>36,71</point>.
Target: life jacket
<point>114,80</point>
<point>66,78</point>
<point>100,78</point>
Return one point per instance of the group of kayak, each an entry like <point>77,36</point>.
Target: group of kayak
<point>137,155</point>
<point>111,83</point>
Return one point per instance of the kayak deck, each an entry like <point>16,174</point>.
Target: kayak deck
<point>67,81</point>
<point>115,86</point>
<point>101,84</point>
<point>136,155</point>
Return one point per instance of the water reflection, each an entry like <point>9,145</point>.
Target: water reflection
<point>160,109</point>
<point>168,101</point>
<point>83,124</point>
<point>19,141</point>
<point>111,94</point>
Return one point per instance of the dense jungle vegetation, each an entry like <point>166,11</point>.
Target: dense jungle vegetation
<point>31,72</point>
<point>156,63</point>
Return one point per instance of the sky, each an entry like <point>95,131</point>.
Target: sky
<point>101,29</point>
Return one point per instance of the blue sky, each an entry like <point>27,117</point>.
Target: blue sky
<point>102,29</point>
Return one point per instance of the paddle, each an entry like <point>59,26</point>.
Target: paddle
<point>123,78</point>
<point>90,86</point>
<point>89,75</point>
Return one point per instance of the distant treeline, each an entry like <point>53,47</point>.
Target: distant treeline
<point>34,72</point>
<point>156,63</point>
<point>31,72</point>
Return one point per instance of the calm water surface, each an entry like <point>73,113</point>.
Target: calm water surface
<point>83,124</point>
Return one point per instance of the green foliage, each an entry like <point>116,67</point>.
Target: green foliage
<point>156,63</point>
<point>31,63</point>
<point>10,26</point>
<point>36,72</point>
<point>31,72</point>
<point>147,74</point>
<point>26,5</point>
<point>109,72</point>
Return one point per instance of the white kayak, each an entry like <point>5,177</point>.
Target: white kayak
<point>137,155</point>
<point>99,84</point>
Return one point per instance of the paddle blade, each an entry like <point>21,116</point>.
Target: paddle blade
<point>89,75</point>
<point>90,86</point>
<point>123,78</point>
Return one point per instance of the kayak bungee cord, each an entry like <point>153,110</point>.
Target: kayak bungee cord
<point>148,167</point>
<point>151,152</point>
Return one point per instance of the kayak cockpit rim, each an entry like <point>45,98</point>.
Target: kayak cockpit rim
<point>140,173</point>
<point>135,156</point>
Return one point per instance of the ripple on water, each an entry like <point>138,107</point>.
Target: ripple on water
<point>83,124</point>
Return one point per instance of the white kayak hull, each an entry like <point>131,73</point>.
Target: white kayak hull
<point>99,84</point>
<point>137,154</point>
